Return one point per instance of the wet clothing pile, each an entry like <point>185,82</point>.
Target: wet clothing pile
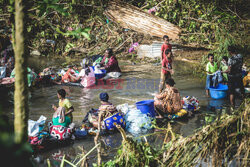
<point>216,79</point>
<point>190,103</point>
<point>31,76</point>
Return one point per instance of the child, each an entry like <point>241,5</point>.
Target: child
<point>211,68</point>
<point>224,68</point>
<point>63,102</point>
<point>166,69</point>
<point>166,45</point>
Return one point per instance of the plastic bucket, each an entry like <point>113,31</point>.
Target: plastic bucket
<point>219,92</point>
<point>146,107</point>
<point>216,103</point>
<point>99,76</point>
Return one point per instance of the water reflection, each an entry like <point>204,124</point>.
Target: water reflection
<point>130,89</point>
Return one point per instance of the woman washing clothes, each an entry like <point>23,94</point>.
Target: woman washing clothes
<point>61,127</point>
<point>65,103</point>
<point>106,111</point>
<point>110,64</point>
<point>169,101</point>
<point>86,75</point>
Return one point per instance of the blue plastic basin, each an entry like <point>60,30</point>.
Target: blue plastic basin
<point>99,76</point>
<point>146,107</point>
<point>219,92</point>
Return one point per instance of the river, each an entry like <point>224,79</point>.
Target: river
<point>138,82</point>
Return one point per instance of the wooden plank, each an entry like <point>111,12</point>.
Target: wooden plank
<point>129,16</point>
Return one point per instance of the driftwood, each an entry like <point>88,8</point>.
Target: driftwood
<point>129,16</point>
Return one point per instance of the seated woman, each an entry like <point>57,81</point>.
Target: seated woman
<point>169,101</point>
<point>70,76</point>
<point>59,127</point>
<point>105,110</point>
<point>111,65</point>
<point>87,76</point>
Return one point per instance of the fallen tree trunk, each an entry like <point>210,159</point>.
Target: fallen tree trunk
<point>129,16</point>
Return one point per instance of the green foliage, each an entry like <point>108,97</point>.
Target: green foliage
<point>78,32</point>
<point>204,22</point>
<point>224,139</point>
<point>134,153</point>
<point>46,6</point>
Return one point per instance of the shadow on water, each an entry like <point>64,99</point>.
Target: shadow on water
<point>140,85</point>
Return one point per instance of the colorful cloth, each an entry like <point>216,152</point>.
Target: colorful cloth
<point>105,60</point>
<point>97,61</point>
<point>70,76</point>
<point>164,47</point>
<point>217,78</point>
<point>190,103</point>
<point>112,65</point>
<point>211,68</point>
<point>60,114</point>
<point>112,121</point>
<point>30,76</point>
<point>59,132</point>
<point>66,122</point>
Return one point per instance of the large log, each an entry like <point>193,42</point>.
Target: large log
<point>129,16</point>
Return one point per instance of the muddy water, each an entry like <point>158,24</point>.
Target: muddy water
<point>139,82</point>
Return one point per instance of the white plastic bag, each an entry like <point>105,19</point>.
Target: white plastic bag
<point>34,127</point>
<point>137,122</point>
<point>124,108</point>
<point>97,70</point>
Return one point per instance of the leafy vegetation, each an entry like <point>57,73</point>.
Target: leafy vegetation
<point>82,24</point>
<point>216,144</point>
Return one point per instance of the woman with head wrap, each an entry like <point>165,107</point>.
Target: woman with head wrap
<point>106,109</point>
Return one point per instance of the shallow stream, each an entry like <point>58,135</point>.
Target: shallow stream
<point>138,82</point>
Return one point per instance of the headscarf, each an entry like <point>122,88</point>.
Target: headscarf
<point>104,97</point>
<point>60,112</point>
